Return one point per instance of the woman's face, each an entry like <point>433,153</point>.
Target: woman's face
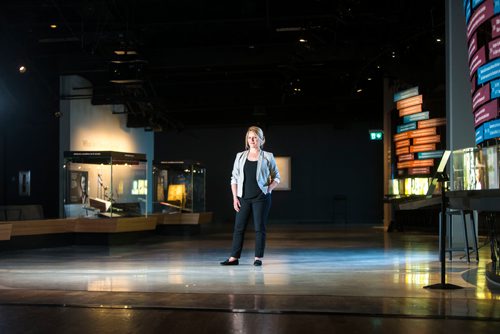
<point>253,140</point>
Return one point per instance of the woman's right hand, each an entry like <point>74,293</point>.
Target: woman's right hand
<point>236,204</point>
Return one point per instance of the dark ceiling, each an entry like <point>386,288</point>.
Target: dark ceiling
<point>195,63</point>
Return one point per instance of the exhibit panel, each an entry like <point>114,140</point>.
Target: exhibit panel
<point>483,41</point>
<point>418,143</point>
<point>105,184</point>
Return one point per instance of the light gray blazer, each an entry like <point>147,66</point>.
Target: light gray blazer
<point>267,171</point>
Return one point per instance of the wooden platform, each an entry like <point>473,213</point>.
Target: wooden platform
<point>99,225</point>
<point>184,218</point>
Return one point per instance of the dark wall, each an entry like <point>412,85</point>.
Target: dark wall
<point>336,172</point>
<point>29,136</point>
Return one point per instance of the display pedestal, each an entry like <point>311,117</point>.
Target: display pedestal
<point>442,178</point>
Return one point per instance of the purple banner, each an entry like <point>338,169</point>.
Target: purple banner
<point>473,84</point>
<point>485,113</point>
<point>481,14</point>
<point>495,27</point>
<point>472,45</point>
<point>494,48</point>
<point>481,96</point>
<point>478,60</point>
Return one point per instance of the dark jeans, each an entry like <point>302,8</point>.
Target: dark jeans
<point>259,209</point>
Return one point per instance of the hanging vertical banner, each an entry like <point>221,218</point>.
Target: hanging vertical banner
<point>495,27</point>
<point>494,48</point>
<point>485,113</point>
<point>488,71</point>
<point>481,96</point>
<point>478,60</point>
<point>480,15</point>
<point>475,3</point>
<point>492,129</point>
<point>472,46</point>
<point>467,11</point>
<point>495,89</point>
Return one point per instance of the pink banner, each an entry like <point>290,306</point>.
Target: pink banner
<point>478,60</point>
<point>481,96</point>
<point>481,14</point>
<point>485,113</point>
<point>494,48</point>
<point>472,45</point>
<point>495,27</point>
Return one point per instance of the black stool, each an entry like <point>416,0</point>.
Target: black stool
<point>450,249</point>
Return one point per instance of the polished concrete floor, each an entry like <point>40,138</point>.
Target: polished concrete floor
<point>315,278</point>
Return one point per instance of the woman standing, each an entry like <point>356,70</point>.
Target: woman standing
<point>254,177</point>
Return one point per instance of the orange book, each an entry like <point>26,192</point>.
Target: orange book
<point>402,150</point>
<point>408,102</point>
<point>419,170</point>
<point>427,123</point>
<point>410,110</point>
<point>422,132</point>
<point>402,143</point>
<point>427,140</point>
<point>415,163</point>
<point>422,148</point>
<point>406,157</point>
<point>400,136</point>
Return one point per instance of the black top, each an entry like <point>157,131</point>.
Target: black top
<point>250,187</point>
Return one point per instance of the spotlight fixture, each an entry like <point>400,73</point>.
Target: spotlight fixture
<point>295,87</point>
<point>126,67</point>
<point>53,26</point>
<point>125,52</point>
<point>22,69</point>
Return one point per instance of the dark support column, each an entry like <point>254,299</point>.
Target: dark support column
<point>460,122</point>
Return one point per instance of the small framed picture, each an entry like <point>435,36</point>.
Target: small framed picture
<point>285,168</point>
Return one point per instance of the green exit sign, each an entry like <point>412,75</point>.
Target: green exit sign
<point>376,134</point>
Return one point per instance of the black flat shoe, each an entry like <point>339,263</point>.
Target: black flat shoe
<point>230,263</point>
<point>257,263</point>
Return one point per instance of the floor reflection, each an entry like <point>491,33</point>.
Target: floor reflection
<point>320,261</point>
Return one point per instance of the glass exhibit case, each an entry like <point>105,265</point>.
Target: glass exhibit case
<point>179,186</point>
<point>475,168</point>
<point>105,184</point>
<point>409,186</point>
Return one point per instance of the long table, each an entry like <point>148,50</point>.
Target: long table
<point>486,202</point>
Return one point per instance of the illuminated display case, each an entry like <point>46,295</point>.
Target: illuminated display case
<point>410,186</point>
<point>179,186</point>
<point>105,184</point>
<point>476,168</point>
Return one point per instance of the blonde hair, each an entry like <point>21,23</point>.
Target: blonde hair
<point>258,131</point>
